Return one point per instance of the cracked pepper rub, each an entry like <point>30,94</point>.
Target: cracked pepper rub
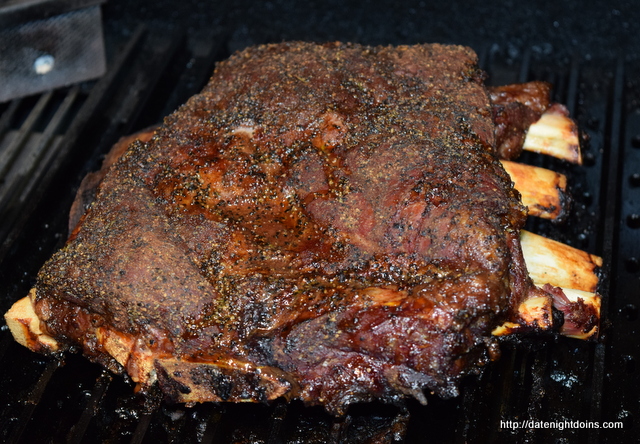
<point>323,222</point>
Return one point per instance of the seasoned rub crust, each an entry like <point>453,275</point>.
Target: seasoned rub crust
<point>333,216</point>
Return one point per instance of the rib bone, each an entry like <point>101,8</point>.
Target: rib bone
<point>543,192</point>
<point>555,134</point>
<point>567,279</point>
<point>25,326</point>
<point>558,264</point>
<point>580,311</point>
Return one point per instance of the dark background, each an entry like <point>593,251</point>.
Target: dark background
<point>600,29</point>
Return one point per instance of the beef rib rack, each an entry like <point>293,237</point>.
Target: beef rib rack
<point>324,222</point>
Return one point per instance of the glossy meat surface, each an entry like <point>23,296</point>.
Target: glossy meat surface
<point>515,107</point>
<point>323,222</point>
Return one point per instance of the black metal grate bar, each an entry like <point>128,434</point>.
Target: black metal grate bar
<point>141,430</point>
<point>622,241</point>
<point>611,193</point>
<point>77,432</point>
<point>37,150</point>
<point>32,400</point>
<point>8,115</point>
<point>9,155</point>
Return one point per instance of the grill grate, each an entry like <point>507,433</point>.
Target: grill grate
<point>49,142</point>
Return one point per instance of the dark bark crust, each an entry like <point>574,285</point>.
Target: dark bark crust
<point>331,214</point>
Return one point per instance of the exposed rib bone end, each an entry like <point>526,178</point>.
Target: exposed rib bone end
<point>182,380</point>
<point>555,134</point>
<point>543,191</point>
<point>558,264</point>
<point>566,279</point>
<point>25,326</point>
<point>580,314</point>
<point>534,314</point>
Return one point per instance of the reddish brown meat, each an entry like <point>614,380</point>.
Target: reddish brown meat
<point>323,222</point>
<point>515,107</point>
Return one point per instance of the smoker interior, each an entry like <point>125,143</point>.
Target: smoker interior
<point>48,142</point>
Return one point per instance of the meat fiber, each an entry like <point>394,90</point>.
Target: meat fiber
<point>328,223</point>
<point>515,107</point>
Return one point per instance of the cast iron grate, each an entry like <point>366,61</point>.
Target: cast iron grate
<point>49,142</point>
